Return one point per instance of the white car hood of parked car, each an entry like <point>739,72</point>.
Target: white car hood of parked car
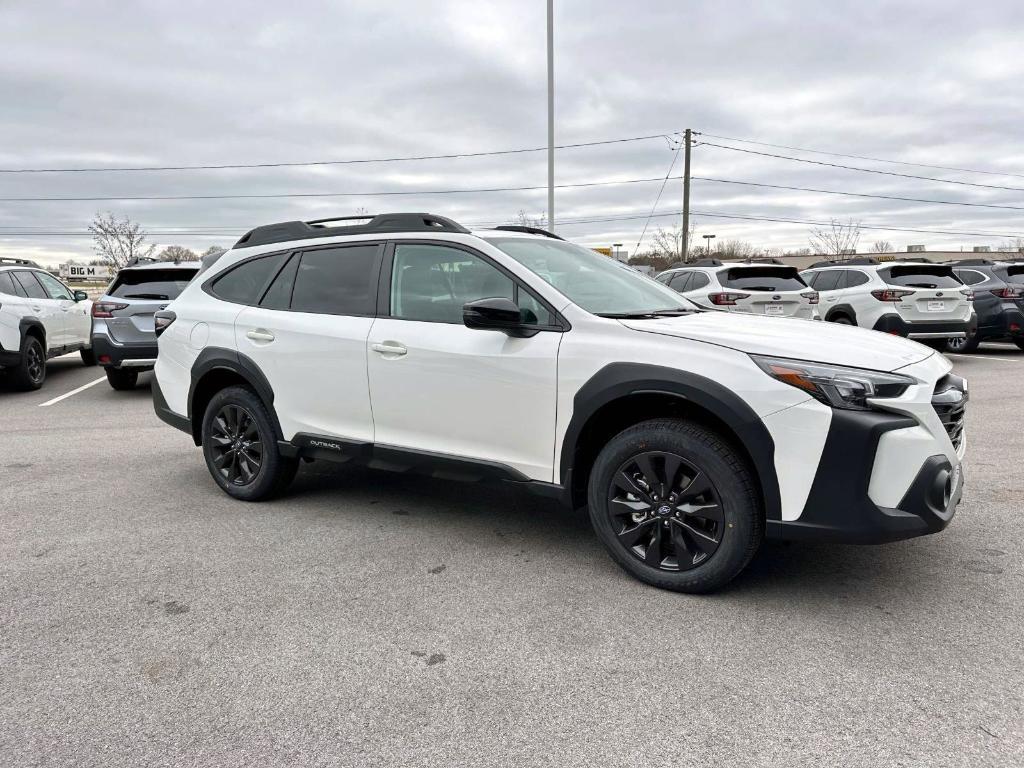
<point>798,339</point>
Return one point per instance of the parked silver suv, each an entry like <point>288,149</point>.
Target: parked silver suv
<point>122,334</point>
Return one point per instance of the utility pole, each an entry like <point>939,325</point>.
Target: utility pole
<point>551,115</point>
<point>686,194</point>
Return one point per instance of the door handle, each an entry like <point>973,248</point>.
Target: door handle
<point>36,309</point>
<point>390,348</point>
<point>259,334</point>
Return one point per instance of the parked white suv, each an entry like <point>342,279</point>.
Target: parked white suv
<point>410,343</point>
<point>770,289</point>
<point>915,299</point>
<point>40,318</point>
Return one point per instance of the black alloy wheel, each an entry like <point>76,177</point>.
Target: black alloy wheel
<point>665,511</point>
<point>35,362</point>
<point>236,445</point>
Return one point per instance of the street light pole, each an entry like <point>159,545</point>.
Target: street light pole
<point>551,115</point>
<point>707,248</point>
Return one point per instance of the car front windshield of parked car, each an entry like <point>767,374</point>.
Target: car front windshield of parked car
<point>596,283</point>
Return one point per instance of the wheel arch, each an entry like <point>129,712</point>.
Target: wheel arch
<point>217,368</point>
<point>33,326</point>
<point>841,310</point>
<point>623,394</point>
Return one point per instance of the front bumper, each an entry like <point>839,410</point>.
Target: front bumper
<point>839,507</point>
<point>943,329</point>
<point>111,354</point>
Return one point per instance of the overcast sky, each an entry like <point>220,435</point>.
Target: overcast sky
<point>156,83</point>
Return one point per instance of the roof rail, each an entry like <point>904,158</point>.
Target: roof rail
<point>705,263</point>
<point>917,260</point>
<point>763,260</point>
<point>381,223</point>
<point>858,261</point>
<point>528,230</point>
<point>140,260</point>
<point>19,262</point>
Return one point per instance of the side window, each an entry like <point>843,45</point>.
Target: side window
<point>970,276</point>
<point>663,278</point>
<point>681,281</point>
<point>54,287</point>
<point>854,279</point>
<point>828,280</point>
<point>279,294</point>
<point>700,280</point>
<point>337,281</point>
<point>431,283</point>
<point>32,288</point>
<point>7,284</point>
<point>245,283</point>
<point>809,278</point>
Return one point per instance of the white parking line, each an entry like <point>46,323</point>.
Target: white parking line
<point>66,395</point>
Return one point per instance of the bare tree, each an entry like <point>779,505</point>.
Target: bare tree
<point>735,249</point>
<point>213,252</point>
<point>118,241</point>
<point>523,219</point>
<point>667,243</point>
<point>881,246</point>
<point>177,253</point>
<point>838,239</point>
<point>1013,245</point>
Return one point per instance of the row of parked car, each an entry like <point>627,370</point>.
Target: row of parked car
<point>951,306</point>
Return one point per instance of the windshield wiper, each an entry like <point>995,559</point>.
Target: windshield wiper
<point>646,315</point>
<point>158,296</point>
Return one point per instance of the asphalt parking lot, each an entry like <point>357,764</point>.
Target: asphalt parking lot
<point>369,619</point>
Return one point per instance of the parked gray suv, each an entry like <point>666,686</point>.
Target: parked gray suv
<point>122,332</point>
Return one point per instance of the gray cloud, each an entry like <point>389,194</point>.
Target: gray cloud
<point>191,83</point>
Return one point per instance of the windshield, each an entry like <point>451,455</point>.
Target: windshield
<point>596,283</point>
<point>157,284</point>
<point>921,277</point>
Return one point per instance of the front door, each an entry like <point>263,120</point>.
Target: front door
<point>437,386</point>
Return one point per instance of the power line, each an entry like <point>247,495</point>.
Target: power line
<point>383,193</point>
<point>860,194</point>
<point>864,170</point>
<point>226,166</point>
<point>675,156</point>
<point>865,157</point>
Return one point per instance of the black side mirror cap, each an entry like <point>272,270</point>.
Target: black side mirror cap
<point>496,314</point>
<point>81,296</point>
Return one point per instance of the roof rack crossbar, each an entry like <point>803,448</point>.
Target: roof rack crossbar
<point>528,230</point>
<point>705,263</point>
<point>379,224</point>
<point>19,262</point>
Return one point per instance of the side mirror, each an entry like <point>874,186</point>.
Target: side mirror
<point>496,314</point>
<point>81,296</point>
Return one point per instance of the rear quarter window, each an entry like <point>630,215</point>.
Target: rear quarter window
<point>1015,274</point>
<point>246,282</point>
<point>763,279</point>
<point>157,284</point>
<point>915,276</point>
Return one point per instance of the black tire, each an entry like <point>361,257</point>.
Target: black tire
<point>238,466</point>
<point>1019,343</point>
<point>122,380</point>
<point>961,346</point>
<point>842,320</point>
<point>31,372</point>
<point>88,358</point>
<point>705,460</point>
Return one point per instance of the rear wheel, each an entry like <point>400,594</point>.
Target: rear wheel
<point>968,344</point>
<point>240,447</point>
<point>841,320</point>
<point>122,380</point>
<point>88,357</point>
<point>31,373</point>
<point>675,506</point>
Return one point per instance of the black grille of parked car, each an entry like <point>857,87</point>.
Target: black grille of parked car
<point>950,403</point>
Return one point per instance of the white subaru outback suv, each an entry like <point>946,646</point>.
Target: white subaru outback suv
<point>771,289</point>
<point>915,299</point>
<point>40,318</point>
<point>410,343</point>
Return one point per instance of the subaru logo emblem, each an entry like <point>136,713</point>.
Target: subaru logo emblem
<point>776,298</point>
<point>664,509</point>
<point>939,293</point>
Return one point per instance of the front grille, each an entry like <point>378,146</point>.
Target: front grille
<point>950,403</point>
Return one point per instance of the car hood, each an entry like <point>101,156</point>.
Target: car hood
<point>798,339</point>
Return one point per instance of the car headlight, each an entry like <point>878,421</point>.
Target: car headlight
<point>835,385</point>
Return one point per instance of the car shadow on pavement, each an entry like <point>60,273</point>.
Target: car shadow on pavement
<point>58,372</point>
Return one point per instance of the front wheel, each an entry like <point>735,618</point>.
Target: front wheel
<point>675,506</point>
<point>240,447</point>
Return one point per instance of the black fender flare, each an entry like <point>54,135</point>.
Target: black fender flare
<point>221,358</point>
<point>26,324</point>
<point>619,380</point>
<point>841,309</point>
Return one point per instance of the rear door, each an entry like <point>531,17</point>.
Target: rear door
<point>771,290</point>
<point>935,294</point>
<point>307,332</point>
<point>697,290</point>
<point>43,307</point>
<point>829,283</point>
<point>141,293</point>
